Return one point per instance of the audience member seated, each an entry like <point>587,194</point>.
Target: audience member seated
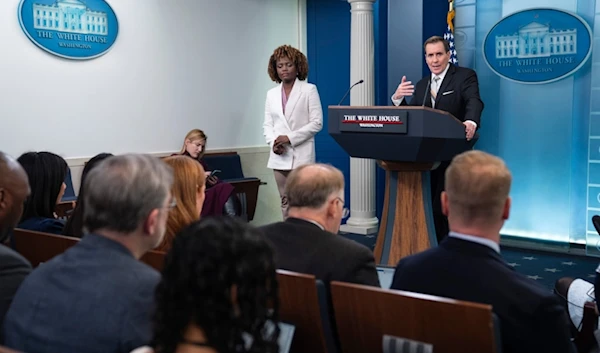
<point>74,226</point>
<point>97,297</point>
<point>217,286</point>
<point>307,241</point>
<point>574,293</point>
<point>14,190</point>
<point>188,192</point>
<point>467,264</point>
<point>46,172</point>
<point>220,198</point>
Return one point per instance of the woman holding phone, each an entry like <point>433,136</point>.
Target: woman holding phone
<point>293,116</point>
<point>220,198</point>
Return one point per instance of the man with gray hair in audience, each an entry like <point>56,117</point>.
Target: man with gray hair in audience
<point>98,296</point>
<point>307,241</point>
<point>14,189</point>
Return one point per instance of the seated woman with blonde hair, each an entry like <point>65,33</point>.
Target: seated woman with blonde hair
<point>188,191</point>
<point>220,198</point>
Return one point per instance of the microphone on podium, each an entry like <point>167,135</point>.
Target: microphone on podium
<point>349,89</point>
<point>426,91</point>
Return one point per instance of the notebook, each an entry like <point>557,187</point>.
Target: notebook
<point>386,275</point>
<point>286,334</point>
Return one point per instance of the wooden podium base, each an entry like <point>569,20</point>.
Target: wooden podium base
<point>407,221</point>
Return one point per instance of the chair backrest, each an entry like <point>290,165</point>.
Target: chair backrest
<point>38,247</point>
<point>154,259</point>
<point>326,317</point>
<point>299,306</point>
<point>497,335</point>
<point>229,163</point>
<point>64,209</point>
<point>365,314</point>
<point>393,344</point>
<point>69,194</point>
<point>585,340</point>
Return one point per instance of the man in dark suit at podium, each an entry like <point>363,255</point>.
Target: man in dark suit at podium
<point>449,88</point>
<point>467,264</point>
<point>307,241</point>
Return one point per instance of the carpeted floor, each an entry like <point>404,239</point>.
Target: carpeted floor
<point>541,266</point>
<point>546,267</point>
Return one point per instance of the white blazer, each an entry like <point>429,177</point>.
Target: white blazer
<point>302,120</point>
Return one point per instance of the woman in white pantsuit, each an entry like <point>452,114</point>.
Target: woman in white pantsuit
<point>293,115</point>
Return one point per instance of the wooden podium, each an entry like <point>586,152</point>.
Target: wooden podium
<point>408,142</point>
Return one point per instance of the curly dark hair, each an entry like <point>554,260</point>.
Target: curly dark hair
<point>207,259</point>
<point>295,55</point>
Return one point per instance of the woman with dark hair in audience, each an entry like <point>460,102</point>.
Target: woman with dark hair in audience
<point>46,172</point>
<point>188,190</point>
<point>220,198</point>
<point>218,292</point>
<point>74,226</point>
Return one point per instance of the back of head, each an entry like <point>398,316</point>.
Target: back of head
<point>219,276</point>
<point>93,162</point>
<point>14,188</point>
<point>122,191</point>
<point>74,226</point>
<point>477,187</point>
<point>189,179</point>
<point>46,172</point>
<point>311,185</point>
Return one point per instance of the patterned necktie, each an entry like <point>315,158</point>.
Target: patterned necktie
<point>434,89</point>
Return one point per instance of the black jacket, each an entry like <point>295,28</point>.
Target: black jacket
<point>302,246</point>
<point>531,316</point>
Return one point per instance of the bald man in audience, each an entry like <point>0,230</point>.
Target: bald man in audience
<point>97,297</point>
<point>14,189</point>
<point>307,241</point>
<point>467,264</point>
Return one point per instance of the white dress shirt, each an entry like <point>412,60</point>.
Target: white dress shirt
<point>314,222</point>
<point>479,240</point>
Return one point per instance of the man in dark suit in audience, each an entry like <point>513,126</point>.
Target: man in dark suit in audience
<point>467,264</point>
<point>307,241</point>
<point>97,297</point>
<point>14,189</point>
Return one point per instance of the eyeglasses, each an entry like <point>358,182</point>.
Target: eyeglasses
<point>172,205</point>
<point>345,211</point>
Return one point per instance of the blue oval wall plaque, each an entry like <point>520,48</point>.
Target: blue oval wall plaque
<point>72,29</point>
<point>537,46</point>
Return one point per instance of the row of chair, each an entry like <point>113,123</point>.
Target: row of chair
<point>39,247</point>
<point>362,314</point>
<point>246,188</point>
